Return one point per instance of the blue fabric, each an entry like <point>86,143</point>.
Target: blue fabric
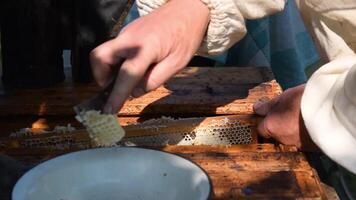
<point>133,14</point>
<point>280,41</point>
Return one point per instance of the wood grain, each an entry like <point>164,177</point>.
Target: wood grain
<point>193,92</point>
<point>259,171</point>
<point>256,171</point>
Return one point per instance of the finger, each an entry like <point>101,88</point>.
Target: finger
<point>105,60</point>
<point>158,75</point>
<point>130,73</point>
<point>264,128</point>
<point>262,107</point>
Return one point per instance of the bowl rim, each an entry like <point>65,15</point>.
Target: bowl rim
<point>44,163</point>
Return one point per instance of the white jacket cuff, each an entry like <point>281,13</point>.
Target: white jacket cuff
<point>227,24</point>
<point>146,6</point>
<point>226,27</point>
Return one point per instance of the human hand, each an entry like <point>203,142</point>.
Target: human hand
<point>151,49</point>
<point>283,120</point>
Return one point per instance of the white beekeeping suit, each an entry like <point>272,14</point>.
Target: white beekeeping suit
<point>227,19</point>
<point>329,100</point>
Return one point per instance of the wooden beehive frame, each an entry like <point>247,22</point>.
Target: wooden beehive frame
<point>79,139</point>
<point>194,92</point>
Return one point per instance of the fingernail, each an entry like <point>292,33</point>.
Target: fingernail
<point>264,99</point>
<point>137,92</point>
<point>257,105</point>
<point>260,102</point>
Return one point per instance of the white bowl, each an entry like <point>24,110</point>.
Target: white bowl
<point>114,173</point>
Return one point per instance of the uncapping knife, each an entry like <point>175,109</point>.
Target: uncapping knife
<point>96,102</point>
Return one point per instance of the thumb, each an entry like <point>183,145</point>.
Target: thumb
<point>264,128</point>
<point>263,106</point>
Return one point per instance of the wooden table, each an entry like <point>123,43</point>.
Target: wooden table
<point>258,171</point>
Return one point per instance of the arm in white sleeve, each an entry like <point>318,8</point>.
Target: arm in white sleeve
<point>227,19</point>
<point>329,110</point>
<point>329,100</point>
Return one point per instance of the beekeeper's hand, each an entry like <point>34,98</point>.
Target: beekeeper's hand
<point>283,121</point>
<point>151,49</point>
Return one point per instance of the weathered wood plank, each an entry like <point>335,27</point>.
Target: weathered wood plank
<point>259,171</point>
<point>259,175</point>
<point>193,92</point>
<point>21,152</point>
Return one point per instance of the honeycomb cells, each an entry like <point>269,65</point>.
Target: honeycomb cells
<point>216,132</point>
<point>221,132</point>
<point>58,142</point>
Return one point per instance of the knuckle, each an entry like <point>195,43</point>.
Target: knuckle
<point>93,55</point>
<point>132,68</point>
<point>269,125</point>
<point>104,53</point>
<point>260,128</point>
<point>98,51</point>
<point>135,67</point>
<point>152,84</point>
<point>266,128</point>
<point>98,54</point>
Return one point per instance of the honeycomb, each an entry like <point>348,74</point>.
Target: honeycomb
<point>54,142</point>
<point>103,129</point>
<point>218,132</point>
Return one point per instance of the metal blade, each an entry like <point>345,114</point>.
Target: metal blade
<point>97,102</point>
